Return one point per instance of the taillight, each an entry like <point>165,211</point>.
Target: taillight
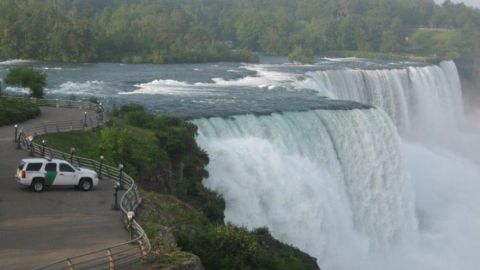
<point>23,174</point>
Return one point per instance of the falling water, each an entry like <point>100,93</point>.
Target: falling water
<point>331,182</point>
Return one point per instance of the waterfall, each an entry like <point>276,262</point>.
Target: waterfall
<point>333,183</point>
<point>414,97</point>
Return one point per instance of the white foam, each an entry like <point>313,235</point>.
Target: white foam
<point>84,88</point>
<point>16,62</point>
<point>17,90</point>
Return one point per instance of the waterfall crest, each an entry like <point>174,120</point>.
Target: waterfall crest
<point>414,97</point>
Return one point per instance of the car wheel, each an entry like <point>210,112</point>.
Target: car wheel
<point>38,185</point>
<point>85,184</point>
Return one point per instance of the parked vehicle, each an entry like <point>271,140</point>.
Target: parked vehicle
<point>39,173</point>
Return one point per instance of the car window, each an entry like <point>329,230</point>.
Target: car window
<point>51,167</point>
<point>66,168</point>
<point>34,167</point>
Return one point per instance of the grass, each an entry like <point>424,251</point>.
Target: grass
<point>83,142</point>
<point>14,111</point>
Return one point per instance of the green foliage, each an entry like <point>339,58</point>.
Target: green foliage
<point>220,246</point>
<point>301,55</point>
<point>158,151</point>
<point>14,111</point>
<point>27,77</point>
<point>168,31</point>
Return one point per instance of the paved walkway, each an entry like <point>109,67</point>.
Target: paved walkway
<point>37,228</point>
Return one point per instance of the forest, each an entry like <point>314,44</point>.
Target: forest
<point>172,31</point>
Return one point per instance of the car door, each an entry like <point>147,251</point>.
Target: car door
<point>66,175</point>
<point>51,174</point>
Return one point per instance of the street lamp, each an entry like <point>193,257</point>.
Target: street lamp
<point>30,144</point>
<point>16,133</point>
<point>101,166</point>
<point>116,187</point>
<point>130,217</point>
<point>44,144</point>
<point>72,152</point>
<point>120,178</point>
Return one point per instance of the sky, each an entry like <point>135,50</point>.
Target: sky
<point>474,3</point>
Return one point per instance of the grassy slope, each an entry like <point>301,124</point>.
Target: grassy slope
<point>13,111</point>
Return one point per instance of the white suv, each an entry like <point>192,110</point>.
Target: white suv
<point>38,173</point>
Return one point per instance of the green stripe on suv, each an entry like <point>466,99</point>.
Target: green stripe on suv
<point>50,177</point>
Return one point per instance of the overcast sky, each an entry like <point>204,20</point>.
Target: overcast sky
<point>475,3</point>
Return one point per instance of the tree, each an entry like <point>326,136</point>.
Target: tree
<point>304,56</point>
<point>29,78</point>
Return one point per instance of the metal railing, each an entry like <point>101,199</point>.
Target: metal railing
<point>54,102</point>
<point>107,258</point>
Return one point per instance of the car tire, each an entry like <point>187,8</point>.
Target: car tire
<point>38,185</point>
<point>85,184</point>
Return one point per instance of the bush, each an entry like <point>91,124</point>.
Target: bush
<point>231,247</point>
<point>304,56</point>
<point>13,111</point>
<point>29,78</point>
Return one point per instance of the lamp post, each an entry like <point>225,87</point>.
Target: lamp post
<point>19,142</point>
<point>30,143</point>
<point>130,217</point>
<point>116,187</point>
<point>16,133</point>
<point>72,152</point>
<point>120,178</point>
<point>44,144</point>
<point>101,167</point>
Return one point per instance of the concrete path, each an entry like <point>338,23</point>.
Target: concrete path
<point>37,228</point>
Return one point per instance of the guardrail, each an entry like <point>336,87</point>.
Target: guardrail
<point>107,258</point>
<point>55,102</point>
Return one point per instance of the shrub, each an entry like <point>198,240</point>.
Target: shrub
<point>27,77</point>
<point>13,111</point>
<point>304,56</point>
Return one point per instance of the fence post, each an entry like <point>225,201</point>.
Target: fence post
<point>69,263</point>
<point>110,259</point>
<point>142,248</point>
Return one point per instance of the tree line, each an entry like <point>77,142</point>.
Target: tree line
<point>170,31</point>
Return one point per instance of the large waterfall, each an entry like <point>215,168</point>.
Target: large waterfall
<point>331,182</point>
<point>343,186</point>
<point>414,97</point>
